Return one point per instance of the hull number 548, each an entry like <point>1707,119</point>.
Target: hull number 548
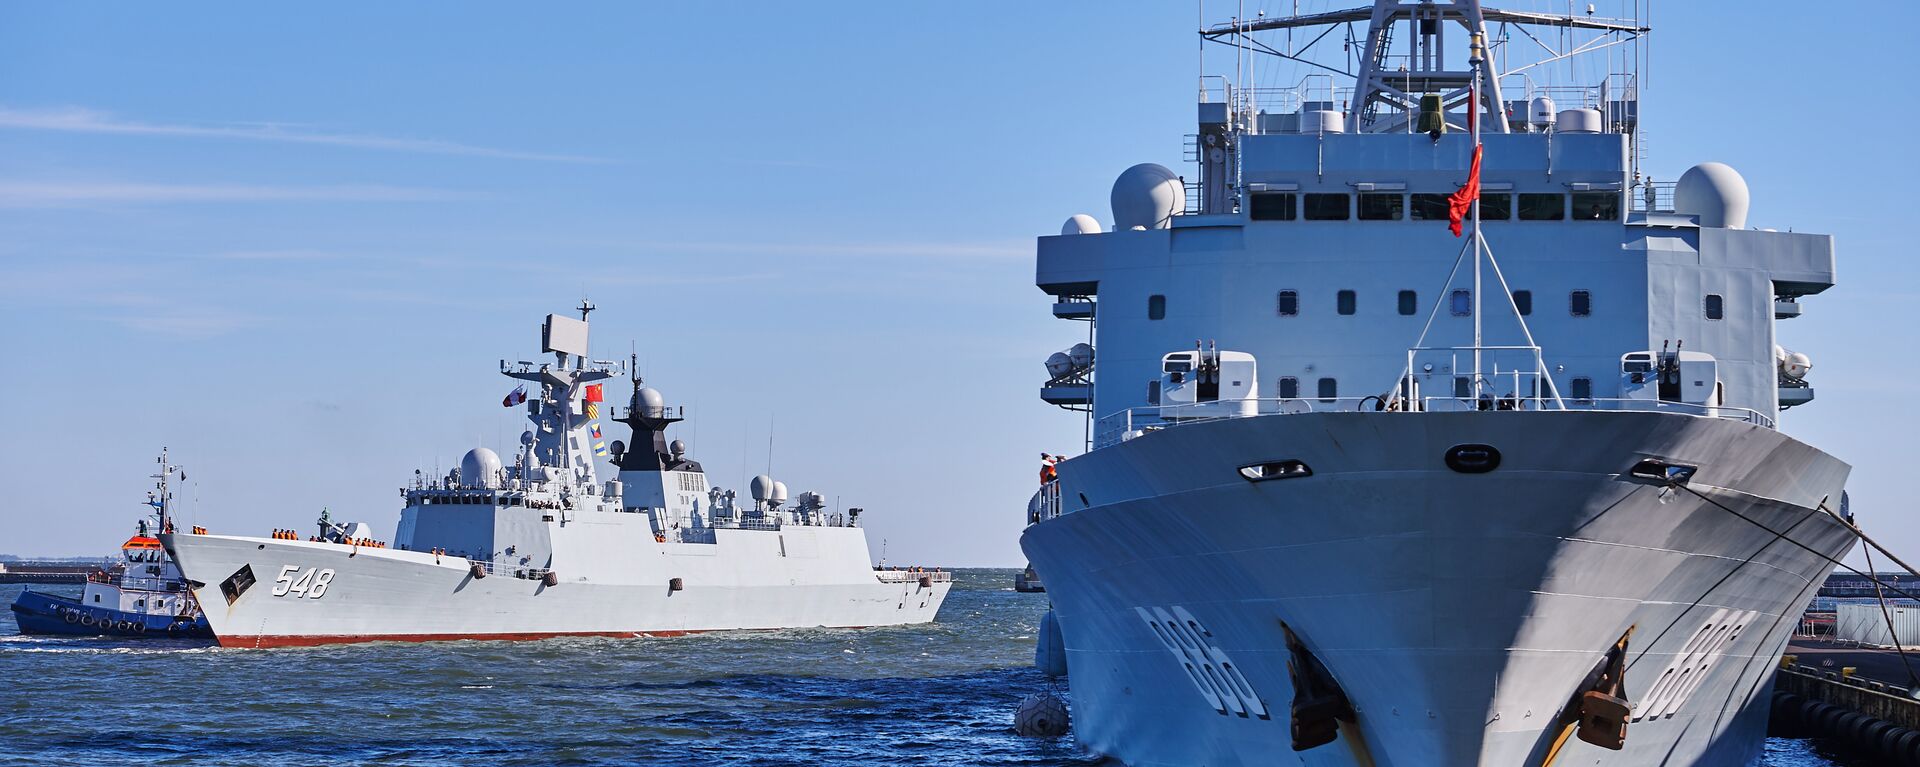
<point>310,583</point>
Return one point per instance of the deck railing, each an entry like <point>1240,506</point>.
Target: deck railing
<point>911,575</point>
<point>1133,422</point>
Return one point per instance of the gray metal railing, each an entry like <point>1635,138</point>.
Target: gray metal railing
<point>1123,425</point>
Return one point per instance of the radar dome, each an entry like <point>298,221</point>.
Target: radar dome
<point>1081,223</point>
<point>761,487</point>
<point>1714,192</point>
<point>652,403</point>
<point>618,448</point>
<point>779,493</point>
<point>1147,195</point>
<point>677,448</point>
<point>480,467</point>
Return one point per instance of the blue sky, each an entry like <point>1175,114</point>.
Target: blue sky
<point>291,243</point>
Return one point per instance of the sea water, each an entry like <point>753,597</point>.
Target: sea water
<point>940,694</point>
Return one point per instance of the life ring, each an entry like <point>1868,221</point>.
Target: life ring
<point>70,616</point>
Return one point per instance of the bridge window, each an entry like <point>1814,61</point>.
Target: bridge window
<point>1496,206</point>
<point>1462,386</point>
<point>1375,206</point>
<point>1289,387</point>
<point>1582,388</point>
<point>1523,301</point>
<point>1328,206</point>
<point>1344,301</point>
<point>1409,302</point>
<point>1288,303</point>
<point>1153,392</point>
<point>1329,390</point>
<point>1460,302</point>
<point>1274,206</point>
<point>1596,206</point>
<point>1716,307</point>
<point>1547,206</point>
<point>1429,207</point>
<point>1156,307</point>
<point>1581,303</point>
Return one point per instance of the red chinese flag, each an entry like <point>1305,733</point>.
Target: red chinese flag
<point>593,390</point>
<point>1461,201</point>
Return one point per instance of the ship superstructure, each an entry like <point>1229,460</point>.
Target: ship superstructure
<point>543,547</point>
<point>1368,491</point>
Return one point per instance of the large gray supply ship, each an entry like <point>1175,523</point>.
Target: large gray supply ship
<point>1361,493</point>
<point>543,548</point>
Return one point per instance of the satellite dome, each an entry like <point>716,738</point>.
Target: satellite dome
<point>779,493</point>
<point>480,467</point>
<point>618,448</point>
<point>526,438</point>
<point>652,403</point>
<point>1714,192</point>
<point>1147,195</point>
<point>761,487</point>
<point>1081,223</point>
<point>677,448</point>
<point>1059,364</point>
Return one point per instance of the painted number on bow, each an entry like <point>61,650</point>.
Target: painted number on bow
<point>310,583</point>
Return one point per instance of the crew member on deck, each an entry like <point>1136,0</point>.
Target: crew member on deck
<point>1047,472</point>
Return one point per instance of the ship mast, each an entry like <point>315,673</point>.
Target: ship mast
<point>162,500</point>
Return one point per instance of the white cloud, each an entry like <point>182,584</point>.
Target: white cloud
<point>53,194</point>
<point>1020,249</point>
<point>78,120</point>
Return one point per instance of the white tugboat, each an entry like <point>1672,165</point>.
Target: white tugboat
<point>1561,528</point>
<point>543,548</point>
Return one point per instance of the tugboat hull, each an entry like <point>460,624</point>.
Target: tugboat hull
<point>52,614</point>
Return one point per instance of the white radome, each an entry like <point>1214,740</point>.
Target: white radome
<point>1080,223</point>
<point>1147,196</point>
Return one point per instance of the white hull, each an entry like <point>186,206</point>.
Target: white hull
<point>1459,612</point>
<point>747,579</point>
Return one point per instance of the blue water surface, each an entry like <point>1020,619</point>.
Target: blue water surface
<point>928,695</point>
